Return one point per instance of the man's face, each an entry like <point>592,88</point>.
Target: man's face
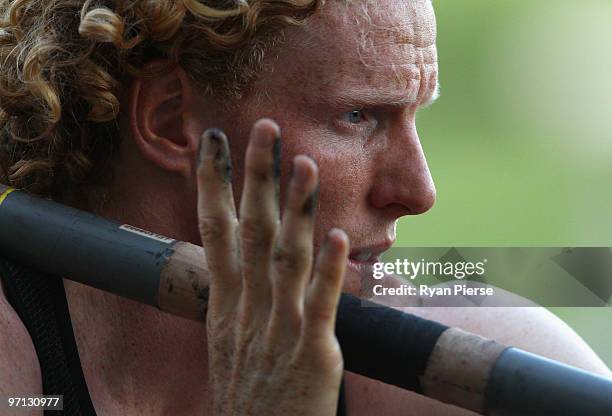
<point>345,90</point>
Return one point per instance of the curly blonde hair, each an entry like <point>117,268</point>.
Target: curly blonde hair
<point>65,63</point>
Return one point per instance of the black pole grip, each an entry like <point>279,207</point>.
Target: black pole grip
<point>377,342</point>
<point>526,384</point>
<point>383,343</point>
<point>67,242</point>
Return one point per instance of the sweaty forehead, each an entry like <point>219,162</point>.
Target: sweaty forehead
<point>377,23</point>
<point>352,45</point>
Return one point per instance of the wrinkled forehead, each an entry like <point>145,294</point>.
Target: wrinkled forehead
<point>378,23</point>
<point>367,43</point>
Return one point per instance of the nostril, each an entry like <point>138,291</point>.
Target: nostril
<point>410,202</point>
<point>401,192</point>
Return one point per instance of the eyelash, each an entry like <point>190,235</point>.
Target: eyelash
<point>365,117</point>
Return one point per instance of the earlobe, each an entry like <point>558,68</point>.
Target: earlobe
<point>156,111</point>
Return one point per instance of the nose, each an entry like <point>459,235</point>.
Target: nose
<point>403,184</point>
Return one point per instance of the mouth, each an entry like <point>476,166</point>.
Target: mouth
<point>362,259</point>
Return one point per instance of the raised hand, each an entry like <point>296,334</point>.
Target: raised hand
<point>271,342</point>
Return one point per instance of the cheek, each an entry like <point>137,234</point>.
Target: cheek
<point>343,196</point>
<point>345,176</point>
<point>342,171</point>
<point>345,170</point>
<point>342,181</point>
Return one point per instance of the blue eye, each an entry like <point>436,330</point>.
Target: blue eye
<point>359,120</point>
<point>356,116</point>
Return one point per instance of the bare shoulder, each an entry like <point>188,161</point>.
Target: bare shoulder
<point>19,369</point>
<point>532,328</point>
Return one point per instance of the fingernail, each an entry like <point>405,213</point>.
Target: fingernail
<point>214,143</point>
<point>310,205</point>
<point>264,138</point>
<point>328,238</point>
<point>335,234</point>
<point>211,143</point>
<point>299,172</point>
<point>335,239</point>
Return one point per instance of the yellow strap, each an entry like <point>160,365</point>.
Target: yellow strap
<point>5,194</point>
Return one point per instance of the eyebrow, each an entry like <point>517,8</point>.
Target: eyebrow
<point>376,98</point>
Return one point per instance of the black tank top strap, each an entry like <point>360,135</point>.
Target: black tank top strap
<point>40,302</point>
<point>341,411</point>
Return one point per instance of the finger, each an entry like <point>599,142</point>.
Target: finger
<point>217,214</point>
<point>293,252</point>
<point>324,291</point>
<point>259,211</point>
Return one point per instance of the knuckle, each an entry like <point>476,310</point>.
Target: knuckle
<point>283,334</point>
<point>288,261</point>
<point>246,335</point>
<point>319,313</point>
<point>288,317</point>
<point>321,345</point>
<point>254,285</point>
<point>329,276</point>
<point>217,326</point>
<point>212,229</point>
<point>255,231</point>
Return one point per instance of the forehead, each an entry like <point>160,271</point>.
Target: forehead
<point>354,46</point>
<point>377,23</point>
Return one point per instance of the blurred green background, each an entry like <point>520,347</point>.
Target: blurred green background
<point>520,142</point>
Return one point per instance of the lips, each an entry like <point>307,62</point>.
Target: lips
<point>364,256</point>
<point>369,254</point>
<point>360,268</point>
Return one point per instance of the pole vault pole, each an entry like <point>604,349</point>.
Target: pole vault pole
<point>378,342</point>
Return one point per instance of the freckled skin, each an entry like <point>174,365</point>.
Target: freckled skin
<point>137,360</point>
<point>366,183</point>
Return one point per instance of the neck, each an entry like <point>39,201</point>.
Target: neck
<point>133,355</point>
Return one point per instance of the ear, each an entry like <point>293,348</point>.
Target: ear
<point>157,109</point>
